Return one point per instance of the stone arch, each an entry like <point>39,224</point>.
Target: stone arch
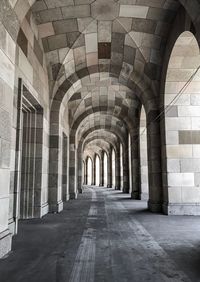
<point>98,110</point>
<point>89,170</point>
<point>182,127</point>
<point>106,146</point>
<point>113,156</point>
<point>114,143</point>
<point>116,132</point>
<point>99,138</point>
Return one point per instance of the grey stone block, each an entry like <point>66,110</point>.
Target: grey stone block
<point>189,137</point>
<point>50,15</point>
<point>57,41</point>
<point>144,25</point>
<point>76,11</point>
<point>64,26</point>
<point>58,3</point>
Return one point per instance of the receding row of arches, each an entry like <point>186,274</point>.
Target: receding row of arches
<point>95,171</point>
<point>179,138</point>
<point>105,168</point>
<point>87,104</point>
<point>133,156</point>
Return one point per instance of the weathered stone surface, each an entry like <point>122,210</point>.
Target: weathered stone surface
<point>105,10</point>
<point>64,26</point>
<point>81,79</point>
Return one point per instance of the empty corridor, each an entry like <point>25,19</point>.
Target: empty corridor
<point>104,236</point>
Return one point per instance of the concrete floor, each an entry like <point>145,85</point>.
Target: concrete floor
<point>104,236</point>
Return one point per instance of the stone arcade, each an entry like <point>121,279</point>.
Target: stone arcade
<point>99,99</point>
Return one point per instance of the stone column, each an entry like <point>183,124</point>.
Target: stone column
<point>86,172</point>
<point>72,180</point>
<point>117,168</point>
<point>101,165</point>
<point>98,183</point>
<point>79,172</point>
<point>135,165</point>
<point>125,168</point>
<point>109,166</point>
<point>7,75</point>
<point>64,168</point>
<point>55,173</point>
<point>121,166</point>
<point>93,171</point>
<point>154,167</point>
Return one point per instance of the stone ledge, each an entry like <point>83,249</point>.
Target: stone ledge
<point>181,209</point>
<point>12,226</point>
<point>5,243</point>
<point>44,209</point>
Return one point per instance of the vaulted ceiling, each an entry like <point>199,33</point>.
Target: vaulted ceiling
<point>96,51</point>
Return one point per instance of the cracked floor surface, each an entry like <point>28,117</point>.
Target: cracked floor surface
<point>104,236</point>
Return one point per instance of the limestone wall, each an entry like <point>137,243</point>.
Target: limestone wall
<point>21,56</point>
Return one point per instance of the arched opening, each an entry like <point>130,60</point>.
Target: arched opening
<point>89,171</point>
<point>113,169</point>
<point>121,167</point>
<point>64,167</point>
<point>105,164</point>
<point>182,128</point>
<point>97,168</point>
<point>83,173</point>
<point>144,179</point>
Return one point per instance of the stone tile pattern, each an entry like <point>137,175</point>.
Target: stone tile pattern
<point>79,36</point>
<point>31,67</point>
<point>182,124</point>
<point>81,40</point>
<point>7,59</point>
<point>102,137</point>
<point>31,170</point>
<point>63,45</point>
<point>17,62</point>
<point>94,148</point>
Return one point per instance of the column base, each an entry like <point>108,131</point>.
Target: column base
<point>12,225</point>
<point>5,243</point>
<point>125,191</point>
<point>44,209</point>
<point>144,196</point>
<point>56,207</point>
<point>135,195</point>
<point>154,207</point>
<point>66,198</point>
<point>117,188</point>
<point>73,196</point>
<point>181,209</point>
